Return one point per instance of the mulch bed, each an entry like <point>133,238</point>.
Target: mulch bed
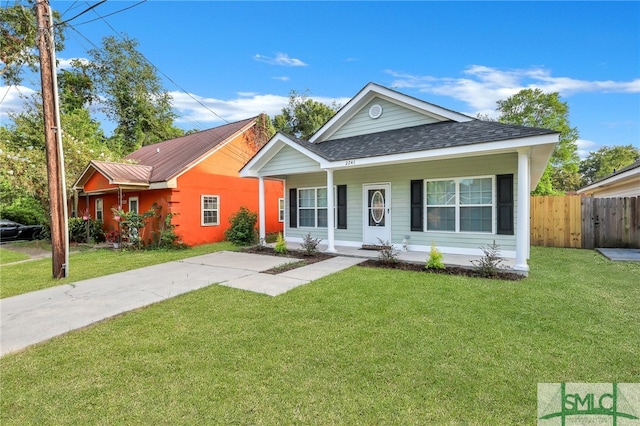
<point>306,259</point>
<point>450,270</point>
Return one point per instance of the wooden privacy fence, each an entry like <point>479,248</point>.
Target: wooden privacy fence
<point>585,222</point>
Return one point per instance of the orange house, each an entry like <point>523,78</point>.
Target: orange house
<point>194,177</point>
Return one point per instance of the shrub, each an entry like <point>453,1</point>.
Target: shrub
<point>78,230</point>
<point>309,245</point>
<point>491,263</point>
<point>387,253</point>
<point>281,244</point>
<point>435,259</point>
<point>243,227</point>
<point>24,210</point>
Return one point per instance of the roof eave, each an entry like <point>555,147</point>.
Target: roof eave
<point>613,180</point>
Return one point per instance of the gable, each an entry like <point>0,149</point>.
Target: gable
<point>290,161</point>
<point>97,182</point>
<point>392,116</point>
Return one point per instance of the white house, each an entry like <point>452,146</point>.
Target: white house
<point>406,172</point>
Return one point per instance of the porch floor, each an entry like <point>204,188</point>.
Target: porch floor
<point>405,256</point>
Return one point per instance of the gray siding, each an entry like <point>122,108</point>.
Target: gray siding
<point>288,160</point>
<point>400,177</point>
<point>393,117</point>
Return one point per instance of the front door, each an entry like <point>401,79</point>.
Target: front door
<point>377,214</point>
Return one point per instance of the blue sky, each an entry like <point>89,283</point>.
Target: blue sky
<point>243,58</point>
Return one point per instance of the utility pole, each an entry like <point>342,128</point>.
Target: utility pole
<point>55,168</point>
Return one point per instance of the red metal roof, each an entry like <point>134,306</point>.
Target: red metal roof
<point>118,173</point>
<point>170,158</point>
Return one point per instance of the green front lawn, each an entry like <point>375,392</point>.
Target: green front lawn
<point>9,256</point>
<point>37,274</point>
<point>364,346</point>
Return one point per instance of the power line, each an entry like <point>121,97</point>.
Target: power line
<point>113,13</point>
<point>82,13</point>
<point>151,63</point>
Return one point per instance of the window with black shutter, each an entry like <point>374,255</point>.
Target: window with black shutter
<point>417,199</point>
<point>504,184</point>
<point>341,206</point>
<point>293,208</point>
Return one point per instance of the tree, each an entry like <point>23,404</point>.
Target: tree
<point>22,147</point>
<point>134,97</point>
<point>607,160</point>
<point>303,116</point>
<point>534,108</point>
<point>18,34</point>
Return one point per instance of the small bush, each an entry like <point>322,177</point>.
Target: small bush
<point>387,253</point>
<point>435,259</point>
<point>26,211</point>
<point>281,244</point>
<point>243,227</point>
<point>78,230</point>
<point>491,263</point>
<point>309,245</point>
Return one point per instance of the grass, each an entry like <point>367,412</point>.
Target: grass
<point>37,274</point>
<point>8,256</point>
<point>363,346</point>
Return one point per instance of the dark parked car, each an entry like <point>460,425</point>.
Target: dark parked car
<point>11,231</point>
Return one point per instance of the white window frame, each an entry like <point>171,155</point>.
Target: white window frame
<point>99,205</point>
<point>137,200</point>
<point>203,210</point>
<point>458,205</point>
<point>281,210</point>
<point>315,207</point>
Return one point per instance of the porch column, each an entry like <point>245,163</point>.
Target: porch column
<point>330,218</point>
<point>261,210</point>
<point>522,216</point>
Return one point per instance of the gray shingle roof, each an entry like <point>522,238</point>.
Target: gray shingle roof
<point>419,138</point>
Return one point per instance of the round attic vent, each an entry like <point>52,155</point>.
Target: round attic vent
<point>375,111</point>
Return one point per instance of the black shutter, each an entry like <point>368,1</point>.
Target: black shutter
<point>504,184</point>
<point>417,201</point>
<point>342,206</point>
<point>293,208</point>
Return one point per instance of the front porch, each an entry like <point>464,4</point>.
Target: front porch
<point>421,257</point>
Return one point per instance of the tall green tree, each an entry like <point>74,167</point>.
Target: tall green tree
<point>22,148</point>
<point>133,95</point>
<point>605,161</point>
<point>18,40</point>
<point>303,116</point>
<point>534,108</point>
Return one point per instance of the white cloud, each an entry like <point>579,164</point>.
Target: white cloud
<point>482,86</point>
<point>12,100</point>
<point>283,78</point>
<point>201,112</point>
<point>281,59</point>
<point>585,147</point>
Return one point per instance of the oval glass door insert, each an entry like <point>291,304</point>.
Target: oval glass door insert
<point>377,207</point>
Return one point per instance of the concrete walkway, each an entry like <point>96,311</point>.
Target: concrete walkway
<point>40,315</point>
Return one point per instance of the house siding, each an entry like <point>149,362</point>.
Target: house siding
<point>400,177</point>
<point>393,117</point>
<point>625,189</point>
<point>288,161</point>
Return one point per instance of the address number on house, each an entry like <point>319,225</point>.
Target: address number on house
<point>350,163</point>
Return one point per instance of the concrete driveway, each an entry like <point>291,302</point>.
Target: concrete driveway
<point>40,315</point>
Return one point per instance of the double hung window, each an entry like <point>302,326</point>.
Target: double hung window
<point>210,210</point>
<point>460,205</point>
<point>312,207</point>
